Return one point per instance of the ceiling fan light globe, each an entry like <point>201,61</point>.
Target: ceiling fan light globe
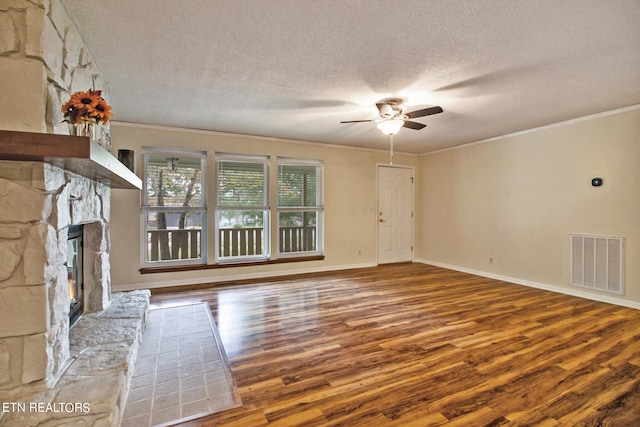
<point>390,127</point>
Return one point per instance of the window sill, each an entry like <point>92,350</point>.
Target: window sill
<point>178,268</point>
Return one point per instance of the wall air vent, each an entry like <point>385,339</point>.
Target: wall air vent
<point>597,262</point>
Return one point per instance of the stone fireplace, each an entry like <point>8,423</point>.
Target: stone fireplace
<point>39,203</point>
<point>51,182</point>
<point>46,207</point>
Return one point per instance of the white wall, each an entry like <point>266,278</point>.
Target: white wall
<point>516,199</point>
<point>350,204</point>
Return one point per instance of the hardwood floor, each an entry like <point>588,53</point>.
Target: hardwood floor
<point>417,345</point>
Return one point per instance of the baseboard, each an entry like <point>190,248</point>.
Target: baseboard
<point>257,275</point>
<point>567,291</point>
<point>217,279</point>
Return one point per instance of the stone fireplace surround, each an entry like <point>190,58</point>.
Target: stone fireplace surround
<point>42,361</point>
<point>38,204</point>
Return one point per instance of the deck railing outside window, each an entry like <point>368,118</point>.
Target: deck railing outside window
<point>173,244</point>
<point>240,241</point>
<point>297,239</point>
<point>185,244</point>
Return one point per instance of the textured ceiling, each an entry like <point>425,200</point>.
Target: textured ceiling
<point>294,69</point>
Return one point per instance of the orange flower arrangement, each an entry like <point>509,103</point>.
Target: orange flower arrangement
<point>87,107</point>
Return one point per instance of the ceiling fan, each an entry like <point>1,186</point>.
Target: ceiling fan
<point>392,118</point>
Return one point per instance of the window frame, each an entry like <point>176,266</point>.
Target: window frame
<point>265,161</point>
<point>318,208</point>
<point>146,208</point>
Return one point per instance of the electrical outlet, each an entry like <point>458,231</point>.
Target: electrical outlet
<point>359,252</point>
<point>490,260</point>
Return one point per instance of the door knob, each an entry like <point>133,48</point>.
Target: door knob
<point>382,220</point>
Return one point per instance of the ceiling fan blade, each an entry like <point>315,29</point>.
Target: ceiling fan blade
<point>424,112</point>
<point>356,121</point>
<point>413,125</point>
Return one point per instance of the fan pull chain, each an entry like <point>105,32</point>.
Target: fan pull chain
<point>390,148</point>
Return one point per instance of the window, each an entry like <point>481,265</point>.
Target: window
<point>242,210</point>
<point>174,208</point>
<point>299,207</point>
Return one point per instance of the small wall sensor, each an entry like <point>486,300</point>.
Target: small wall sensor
<point>596,182</point>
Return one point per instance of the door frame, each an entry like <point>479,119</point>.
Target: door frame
<point>413,204</point>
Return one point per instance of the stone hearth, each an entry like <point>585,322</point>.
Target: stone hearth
<point>93,387</point>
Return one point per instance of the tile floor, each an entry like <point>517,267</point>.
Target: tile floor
<point>181,373</point>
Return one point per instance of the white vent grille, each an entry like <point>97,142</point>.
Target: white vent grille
<point>596,262</point>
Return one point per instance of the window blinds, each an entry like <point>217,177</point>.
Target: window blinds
<point>297,186</point>
<point>242,183</point>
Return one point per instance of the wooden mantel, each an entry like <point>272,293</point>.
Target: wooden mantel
<point>76,154</point>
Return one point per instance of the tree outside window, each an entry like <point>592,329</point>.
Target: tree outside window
<point>299,207</point>
<point>173,207</point>
<point>242,212</point>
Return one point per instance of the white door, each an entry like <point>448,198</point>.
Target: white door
<point>395,214</point>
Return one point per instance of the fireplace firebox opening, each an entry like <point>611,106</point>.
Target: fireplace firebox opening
<point>75,273</point>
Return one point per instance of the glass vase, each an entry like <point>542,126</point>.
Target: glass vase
<point>89,129</point>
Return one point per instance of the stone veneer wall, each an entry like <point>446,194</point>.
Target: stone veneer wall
<point>43,60</point>
<point>38,202</point>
